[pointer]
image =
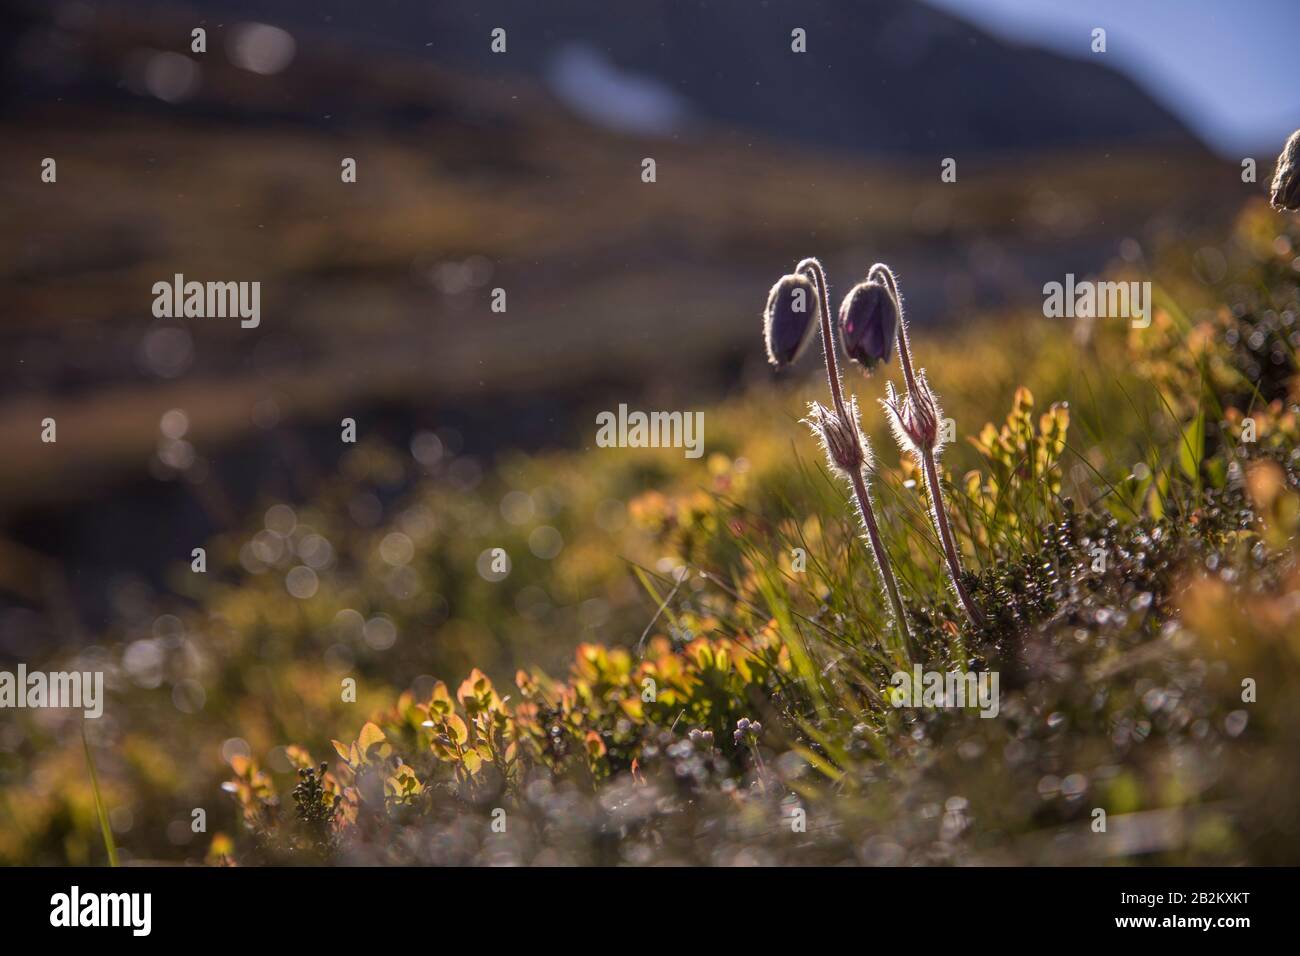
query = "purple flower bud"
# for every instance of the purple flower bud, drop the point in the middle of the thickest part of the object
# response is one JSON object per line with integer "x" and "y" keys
{"x": 869, "y": 323}
{"x": 789, "y": 319}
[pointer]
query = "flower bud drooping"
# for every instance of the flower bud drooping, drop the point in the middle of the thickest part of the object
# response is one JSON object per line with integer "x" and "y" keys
{"x": 789, "y": 319}
{"x": 869, "y": 323}
{"x": 1286, "y": 179}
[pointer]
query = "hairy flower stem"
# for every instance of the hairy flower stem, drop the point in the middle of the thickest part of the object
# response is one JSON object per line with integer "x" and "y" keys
{"x": 882, "y": 561}
{"x": 946, "y": 539}
{"x": 938, "y": 508}
{"x": 868, "y": 515}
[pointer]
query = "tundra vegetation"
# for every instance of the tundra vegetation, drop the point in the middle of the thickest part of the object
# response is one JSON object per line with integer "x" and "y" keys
{"x": 693, "y": 663}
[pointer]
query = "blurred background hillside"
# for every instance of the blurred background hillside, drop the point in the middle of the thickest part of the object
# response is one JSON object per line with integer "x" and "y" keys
{"x": 477, "y": 170}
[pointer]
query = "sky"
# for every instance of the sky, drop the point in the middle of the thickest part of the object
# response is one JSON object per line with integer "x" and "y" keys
{"x": 1229, "y": 68}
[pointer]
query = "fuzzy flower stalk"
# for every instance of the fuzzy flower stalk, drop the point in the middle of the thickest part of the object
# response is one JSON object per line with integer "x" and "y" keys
{"x": 914, "y": 418}
{"x": 797, "y": 304}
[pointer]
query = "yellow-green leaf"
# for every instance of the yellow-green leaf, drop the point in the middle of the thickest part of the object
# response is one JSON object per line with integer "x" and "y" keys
{"x": 369, "y": 738}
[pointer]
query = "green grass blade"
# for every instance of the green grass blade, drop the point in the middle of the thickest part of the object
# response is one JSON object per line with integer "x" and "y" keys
{"x": 104, "y": 829}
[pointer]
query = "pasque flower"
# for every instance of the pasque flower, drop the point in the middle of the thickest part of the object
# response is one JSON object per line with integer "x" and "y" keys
{"x": 869, "y": 323}
{"x": 841, "y": 438}
{"x": 915, "y": 421}
{"x": 788, "y": 319}
{"x": 786, "y": 332}
{"x": 1286, "y": 178}
{"x": 914, "y": 417}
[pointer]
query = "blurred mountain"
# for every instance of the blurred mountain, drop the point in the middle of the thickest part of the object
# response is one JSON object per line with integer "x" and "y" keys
{"x": 880, "y": 76}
